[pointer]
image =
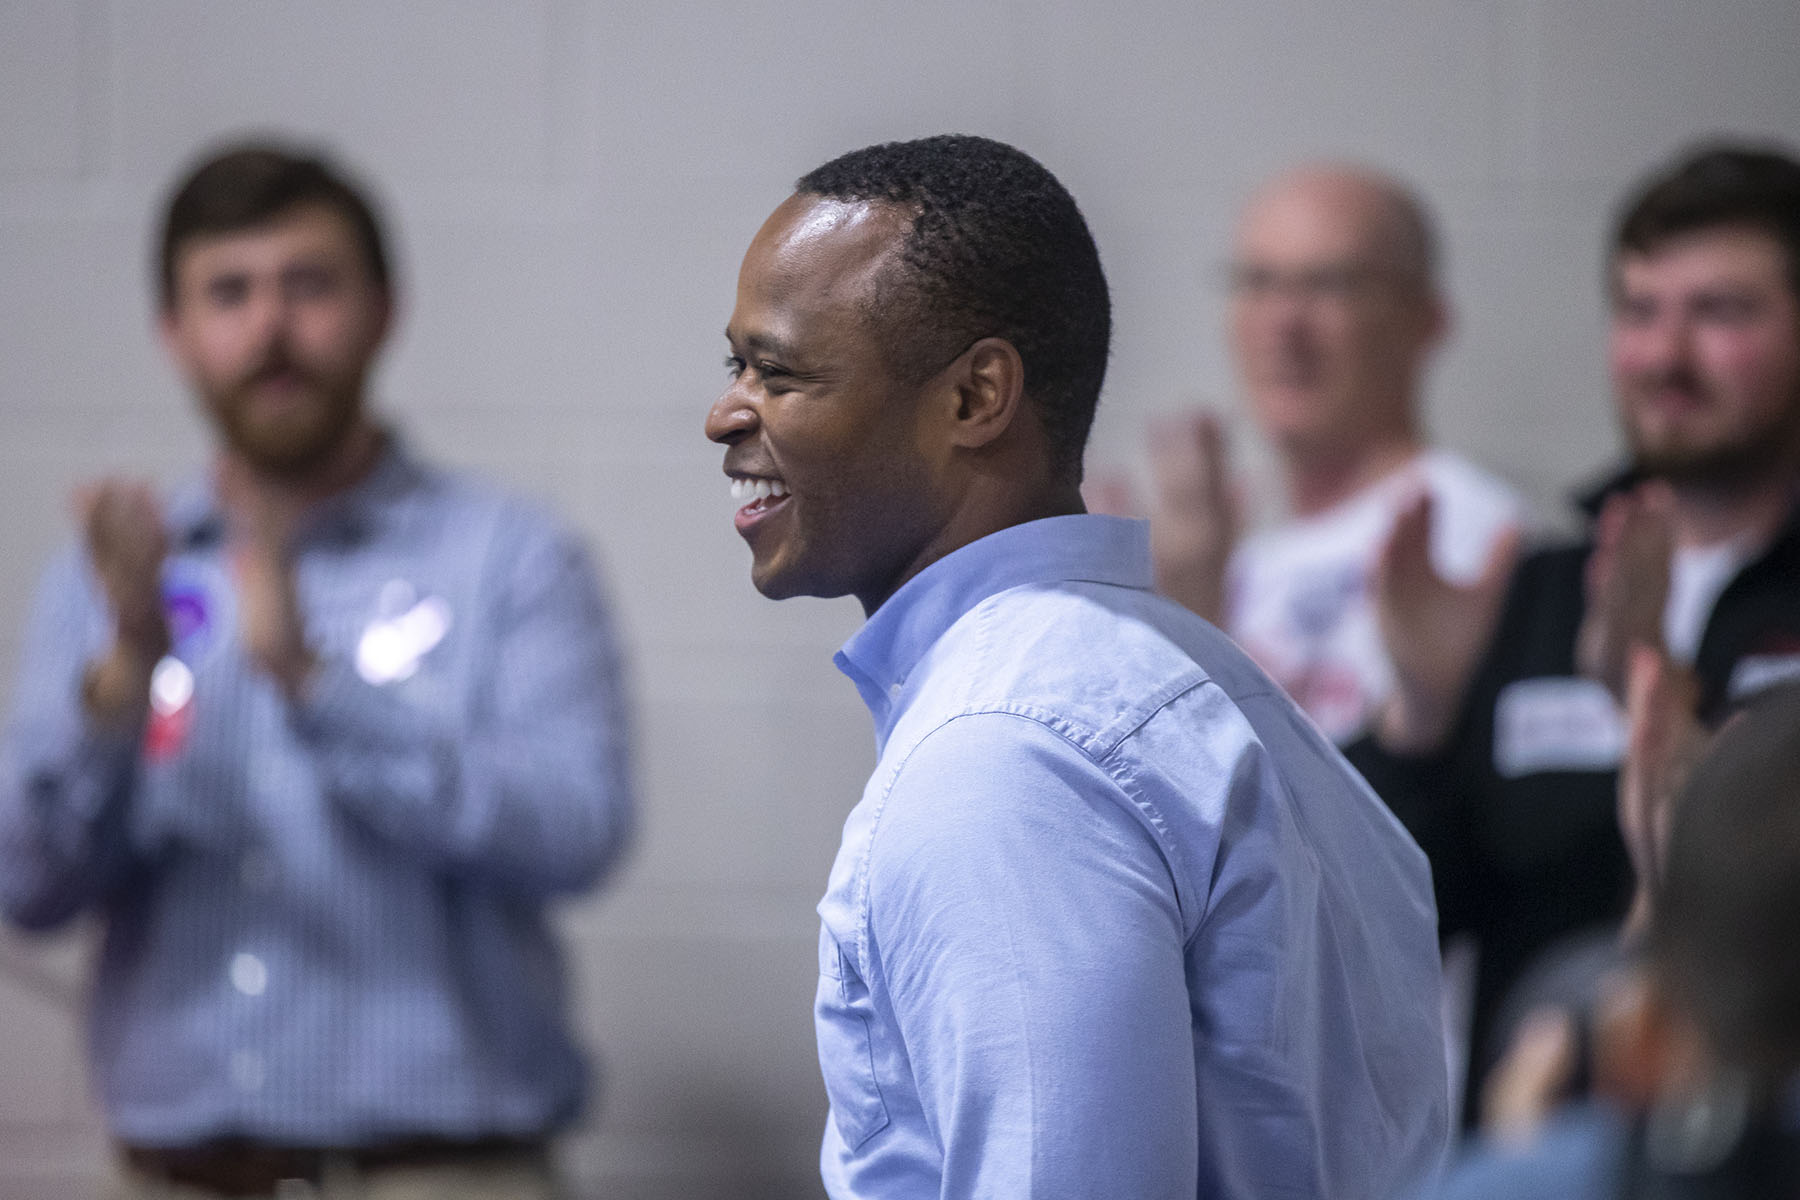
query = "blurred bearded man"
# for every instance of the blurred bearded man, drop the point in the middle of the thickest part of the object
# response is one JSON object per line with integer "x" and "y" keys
{"x": 1501, "y": 744}
{"x": 317, "y": 736}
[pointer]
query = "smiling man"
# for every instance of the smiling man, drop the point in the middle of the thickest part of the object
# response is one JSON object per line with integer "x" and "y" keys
{"x": 1336, "y": 310}
{"x": 318, "y": 739}
{"x": 1501, "y": 744}
{"x": 1112, "y": 918}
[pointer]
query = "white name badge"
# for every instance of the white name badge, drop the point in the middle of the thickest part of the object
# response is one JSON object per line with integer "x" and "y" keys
{"x": 1557, "y": 723}
{"x": 1754, "y": 672}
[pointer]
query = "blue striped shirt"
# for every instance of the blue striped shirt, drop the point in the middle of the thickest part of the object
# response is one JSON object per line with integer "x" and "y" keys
{"x": 325, "y": 919}
{"x": 1112, "y": 918}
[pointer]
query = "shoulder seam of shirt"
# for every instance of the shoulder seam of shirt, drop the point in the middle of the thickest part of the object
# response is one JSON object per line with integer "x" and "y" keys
{"x": 1050, "y": 722}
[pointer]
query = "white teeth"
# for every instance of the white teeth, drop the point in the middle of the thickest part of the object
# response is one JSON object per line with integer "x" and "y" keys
{"x": 753, "y": 491}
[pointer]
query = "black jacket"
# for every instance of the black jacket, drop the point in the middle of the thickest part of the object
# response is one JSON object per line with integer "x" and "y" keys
{"x": 1522, "y": 858}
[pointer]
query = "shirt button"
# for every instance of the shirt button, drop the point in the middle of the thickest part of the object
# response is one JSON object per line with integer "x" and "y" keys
{"x": 249, "y": 975}
{"x": 247, "y": 1070}
{"x": 894, "y": 691}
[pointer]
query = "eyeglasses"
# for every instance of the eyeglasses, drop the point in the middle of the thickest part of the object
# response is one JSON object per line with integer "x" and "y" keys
{"x": 1331, "y": 283}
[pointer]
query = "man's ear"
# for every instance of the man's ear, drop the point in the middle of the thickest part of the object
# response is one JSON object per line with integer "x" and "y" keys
{"x": 168, "y": 332}
{"x": 987, "y": 389}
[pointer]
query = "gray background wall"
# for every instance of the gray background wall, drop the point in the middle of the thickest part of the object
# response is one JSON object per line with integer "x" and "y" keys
{"x": 572, "y": 184}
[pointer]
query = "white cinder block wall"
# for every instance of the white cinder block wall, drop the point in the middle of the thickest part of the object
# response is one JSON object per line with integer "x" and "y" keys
{"x": 571, "y": 185}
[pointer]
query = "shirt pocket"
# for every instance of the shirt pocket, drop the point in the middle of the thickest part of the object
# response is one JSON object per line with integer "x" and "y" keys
{"x": 842, "y": 1012}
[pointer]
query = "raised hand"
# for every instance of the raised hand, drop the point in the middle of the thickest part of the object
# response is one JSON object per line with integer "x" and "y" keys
{"x": 1434, "y": 630}
{"x": 1627, "y": 584}
{"x": 1196, "y": 514}
{"x": 122, "y": 528}
{"x": 1664, "y": 742}
{"x": 263, "y": 519}
{"x": 1110, "y": 494}
{"x": 1532, "y": 1078}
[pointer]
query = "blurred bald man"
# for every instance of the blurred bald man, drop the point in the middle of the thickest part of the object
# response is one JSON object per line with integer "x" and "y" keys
{"x": 1335, "y": 313}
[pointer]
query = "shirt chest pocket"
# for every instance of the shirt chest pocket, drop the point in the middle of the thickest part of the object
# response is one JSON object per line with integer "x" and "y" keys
{"x": 842, "y": 1013}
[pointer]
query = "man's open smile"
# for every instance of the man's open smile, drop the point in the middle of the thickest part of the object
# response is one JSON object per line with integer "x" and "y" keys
{"x": 757, "y": 495}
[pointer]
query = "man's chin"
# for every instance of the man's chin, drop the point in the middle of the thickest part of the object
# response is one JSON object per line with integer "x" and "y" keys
{"x": 286, "y": 444}
{"x": 285, "y": 454}
{"x": 777, "y": 582}
{"x": 285, "y": 431}
{"x": 774, "y": 585}
{"x": 1712, "y": 468}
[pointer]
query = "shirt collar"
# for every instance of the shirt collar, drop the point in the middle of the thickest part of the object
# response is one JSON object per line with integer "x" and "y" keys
{"x": 196, "y": 517}
{"x": 1094, "y": 549}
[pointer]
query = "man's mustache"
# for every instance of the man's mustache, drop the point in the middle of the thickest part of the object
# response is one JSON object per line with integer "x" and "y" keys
{"x": 1680, "y": 379}
{"x": 277, "y": 361}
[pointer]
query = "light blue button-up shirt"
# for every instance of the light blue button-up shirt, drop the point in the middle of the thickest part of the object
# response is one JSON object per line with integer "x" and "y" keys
{"x": 325, "y": 921}
{"x": 1112, "y": 918}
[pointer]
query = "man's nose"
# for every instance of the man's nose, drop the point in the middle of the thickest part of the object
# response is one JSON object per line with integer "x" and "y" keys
{"x": 1668, "y": 343}
{"x": 732, "y": 417}
{"x": 1290, "y": 310}
{"x": 270, "y": 314}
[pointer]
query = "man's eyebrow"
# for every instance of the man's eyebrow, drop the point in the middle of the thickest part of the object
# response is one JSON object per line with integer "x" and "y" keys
{"x": 764, "y": 343}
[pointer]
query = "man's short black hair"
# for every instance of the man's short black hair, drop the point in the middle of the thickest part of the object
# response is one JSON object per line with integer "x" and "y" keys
{"x": 1718, "y": 185}
{"x": 252, "y": 183}
{"x": 997, "y": 248}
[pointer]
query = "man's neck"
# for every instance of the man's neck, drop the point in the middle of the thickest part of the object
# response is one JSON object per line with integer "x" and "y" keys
{"x": 1319, "y": 479}
{"x": 1705, "y": 517}
{"x": 1001, "y": 509}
